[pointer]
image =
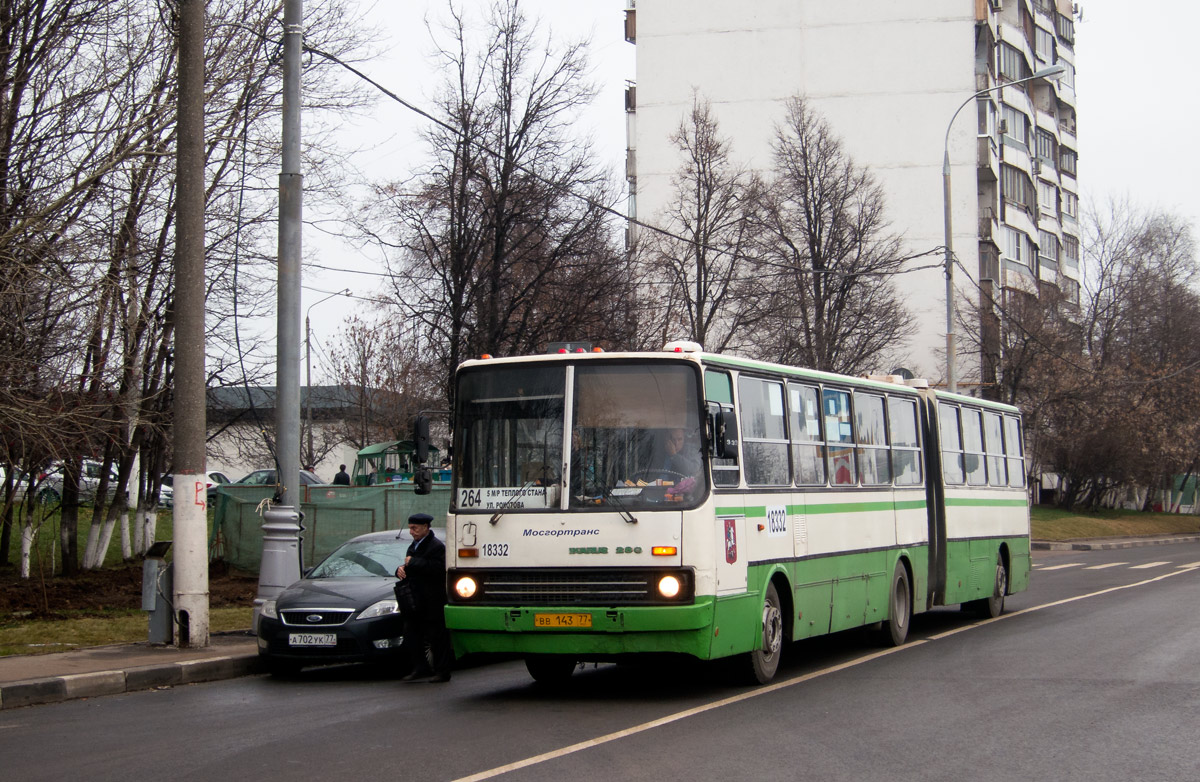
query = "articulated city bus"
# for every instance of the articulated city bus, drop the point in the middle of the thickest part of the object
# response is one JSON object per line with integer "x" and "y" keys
{"x": 614, "y": 504}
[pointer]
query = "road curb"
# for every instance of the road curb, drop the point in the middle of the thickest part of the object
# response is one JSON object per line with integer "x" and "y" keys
{"x": 54, "y": 689}
{"x": 1104, "y": 545}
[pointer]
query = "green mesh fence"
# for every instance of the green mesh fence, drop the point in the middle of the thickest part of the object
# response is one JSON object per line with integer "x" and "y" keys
{"x": 332, "y": 515}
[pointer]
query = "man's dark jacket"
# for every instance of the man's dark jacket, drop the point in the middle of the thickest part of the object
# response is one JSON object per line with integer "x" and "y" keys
{"x": 426, "y": 571}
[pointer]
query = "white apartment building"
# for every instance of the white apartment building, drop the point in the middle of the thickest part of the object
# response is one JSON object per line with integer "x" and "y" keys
{"x": 888, "y": 76}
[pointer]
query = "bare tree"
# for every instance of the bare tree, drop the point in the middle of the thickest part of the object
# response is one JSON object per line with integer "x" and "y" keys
{"x": 709, "y": 289}
{"x": 507, "y": 240}
{"x": 825, "y": 234}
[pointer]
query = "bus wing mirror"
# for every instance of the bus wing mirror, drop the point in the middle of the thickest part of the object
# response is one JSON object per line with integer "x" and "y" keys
{"x": 423, "y": 480}
{"x": 421, "y": 439}
{"x": 724, "y": 433}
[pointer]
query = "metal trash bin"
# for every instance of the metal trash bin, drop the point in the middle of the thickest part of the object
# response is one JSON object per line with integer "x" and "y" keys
{"x": 157, "y": 590}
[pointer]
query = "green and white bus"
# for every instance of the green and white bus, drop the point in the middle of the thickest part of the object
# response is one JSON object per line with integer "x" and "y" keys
{"x": 614, "y": 504}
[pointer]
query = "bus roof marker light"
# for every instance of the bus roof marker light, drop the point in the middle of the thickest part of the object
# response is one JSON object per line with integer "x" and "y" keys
{"x": 683, "y": 346}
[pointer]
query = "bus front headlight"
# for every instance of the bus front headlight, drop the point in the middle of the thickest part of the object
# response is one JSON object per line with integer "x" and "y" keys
{"x": 669, "y": 586}
{"x": 465, "y": 587}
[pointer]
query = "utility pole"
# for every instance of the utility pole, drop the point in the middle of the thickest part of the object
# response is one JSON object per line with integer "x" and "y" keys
{"x": 190, "y": 517}
{"x": 281, "y": 526}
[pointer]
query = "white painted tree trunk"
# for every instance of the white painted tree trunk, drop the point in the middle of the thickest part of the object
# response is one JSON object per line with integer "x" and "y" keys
{"x": 105, "y": 542}
{"x": 139, "y": 529}
{"x": 93, "y": 542}
{"x": 149, "y": 534}
{"x": 26, "y": 547}
{"x": 126, "y": 543}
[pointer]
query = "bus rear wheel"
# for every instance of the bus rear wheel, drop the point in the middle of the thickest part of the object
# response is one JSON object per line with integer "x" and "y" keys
{"x": 895, "y": 630}
{"x": 764, "y": 661}
{"x": 992, "y": 607}
{"x": 549, "y": 669}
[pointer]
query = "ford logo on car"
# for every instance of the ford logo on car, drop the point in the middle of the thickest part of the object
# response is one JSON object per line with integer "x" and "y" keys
{"x": 313, "y": 618}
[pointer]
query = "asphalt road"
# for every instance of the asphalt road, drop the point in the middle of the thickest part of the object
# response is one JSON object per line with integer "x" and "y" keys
{"x": 1093, "y": 674}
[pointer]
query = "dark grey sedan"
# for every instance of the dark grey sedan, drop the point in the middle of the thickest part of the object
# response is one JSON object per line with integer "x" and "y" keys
{"x": 344, "y": 610}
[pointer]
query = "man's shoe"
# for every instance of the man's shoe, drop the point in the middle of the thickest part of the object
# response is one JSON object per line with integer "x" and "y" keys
{"x": 416, "y": 676}
{"x": 441, "y": 677}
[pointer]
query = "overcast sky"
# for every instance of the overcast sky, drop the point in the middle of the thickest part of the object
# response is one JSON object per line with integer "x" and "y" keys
{"x": 1137, "y": 111}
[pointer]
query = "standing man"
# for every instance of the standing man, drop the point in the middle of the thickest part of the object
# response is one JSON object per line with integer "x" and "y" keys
{"x": 421, "y": 594}
{"x": 342, "y": 478}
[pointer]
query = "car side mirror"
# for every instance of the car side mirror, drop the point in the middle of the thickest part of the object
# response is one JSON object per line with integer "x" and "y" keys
{"x": 723, "y": 424}
{"x": 421, "y": 439}
{"x": 423, "y": 480}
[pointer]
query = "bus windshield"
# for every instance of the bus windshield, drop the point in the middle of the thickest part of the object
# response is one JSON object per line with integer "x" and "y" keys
{"x": 635, "y": 437}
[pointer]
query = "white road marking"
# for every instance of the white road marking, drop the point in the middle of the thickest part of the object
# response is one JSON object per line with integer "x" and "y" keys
{"x": 1149, "y": 565}
{"x": 1061, "y": 567}
{"x": 770, "y": 688}
{"x": 1189, "y": 565}
{"x": 1102, "y": 567}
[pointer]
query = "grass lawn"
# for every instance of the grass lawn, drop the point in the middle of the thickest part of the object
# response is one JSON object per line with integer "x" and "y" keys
{"x": 123, "y": 626}
{"x": 1051, "y": 523}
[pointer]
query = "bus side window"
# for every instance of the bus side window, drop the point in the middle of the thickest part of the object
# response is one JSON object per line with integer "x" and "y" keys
{"x": 993, "y": 444}
{"x": 718, "y": 391}
{"x": 870, "y": 432}
{"x": 839, "y": 434}
{"x": 808, "y": 450}
{"x": 906, "y": 447}
{"x": 764, "y": 436}
{"x": 972, "y": 431}
{"x": 952, "y": 455}
{"x": 1014, "y": 450}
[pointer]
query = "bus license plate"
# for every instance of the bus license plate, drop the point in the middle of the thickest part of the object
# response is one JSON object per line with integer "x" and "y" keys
{"x": 312, "y": 639}
{"x": 562, "y": 620}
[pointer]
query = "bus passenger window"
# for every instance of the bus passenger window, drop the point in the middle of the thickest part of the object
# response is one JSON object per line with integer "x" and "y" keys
{"x": 972, "y": 431}
{"x": 871, "y": 436}
{"x": 764, "y": 438}
{"x": 906, "y": 446}
{"x": 993, "y": 444}
{"x": 839, "y": 434}
{"x": 808, "y": 452}
{"x": 1014, "y": 450}
{"x": 952, "y": 457}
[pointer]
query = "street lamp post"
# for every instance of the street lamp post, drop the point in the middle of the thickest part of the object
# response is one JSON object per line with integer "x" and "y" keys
{"x": 1053, "y": 72}
{"x": 308, "y": 371}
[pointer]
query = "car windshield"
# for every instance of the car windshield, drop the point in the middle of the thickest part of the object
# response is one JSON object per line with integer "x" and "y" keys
{"x": 362, "y": 559}
{"x": 636, "y": 437}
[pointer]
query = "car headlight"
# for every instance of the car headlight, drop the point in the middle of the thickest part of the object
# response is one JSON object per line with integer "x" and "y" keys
{"x": 268, "y": 609}
{"x": 382, "y": 608}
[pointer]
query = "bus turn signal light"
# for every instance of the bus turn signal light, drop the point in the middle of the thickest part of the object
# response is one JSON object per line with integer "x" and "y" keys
{"x": 664, "y": 551}
{"x": 467, "y": 553}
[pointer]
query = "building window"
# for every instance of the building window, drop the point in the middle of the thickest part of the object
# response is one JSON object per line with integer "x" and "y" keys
{"x": 1070, "y": 289}
{"x": 1070, "y": 252}
{"x": 1066, "y": 160}
{"x": 1015, "y": 125}
{"x": 1014, "y": 246}
{"x": 1066, "y": 30}
{"x": 1013, "y": 65}
{"x": 1067, "y": 79}
{"x": 1048, "y": 198}
{"x": 1017, "y": 187}
{"x": 1044, "y": 45}
{"x": 1070, "y": 204}
{"x": 1048, "y": 250}
{"x": 1046, "y": 145}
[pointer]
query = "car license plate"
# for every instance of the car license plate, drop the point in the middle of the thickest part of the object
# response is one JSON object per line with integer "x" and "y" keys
{"x": 562, "y": 620}
{"x": 312, "y": 639}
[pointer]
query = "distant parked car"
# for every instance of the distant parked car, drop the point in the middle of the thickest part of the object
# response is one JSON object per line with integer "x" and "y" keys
{"x": 343, "y": 610}
{"x": 20, "y": 484}
{"x": 166, "y": 493}
{"x": 50, "y": 483}
{"x": 267, "y": 478}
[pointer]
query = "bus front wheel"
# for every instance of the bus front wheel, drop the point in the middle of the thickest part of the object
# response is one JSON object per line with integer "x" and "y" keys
{"x": 764, "y": 661}
{"x": 895, "y": 631}
{"x": 549, "y": 669}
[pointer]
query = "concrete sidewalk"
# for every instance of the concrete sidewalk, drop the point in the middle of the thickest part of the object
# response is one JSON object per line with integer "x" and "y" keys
{"x": 107, "y": 670}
